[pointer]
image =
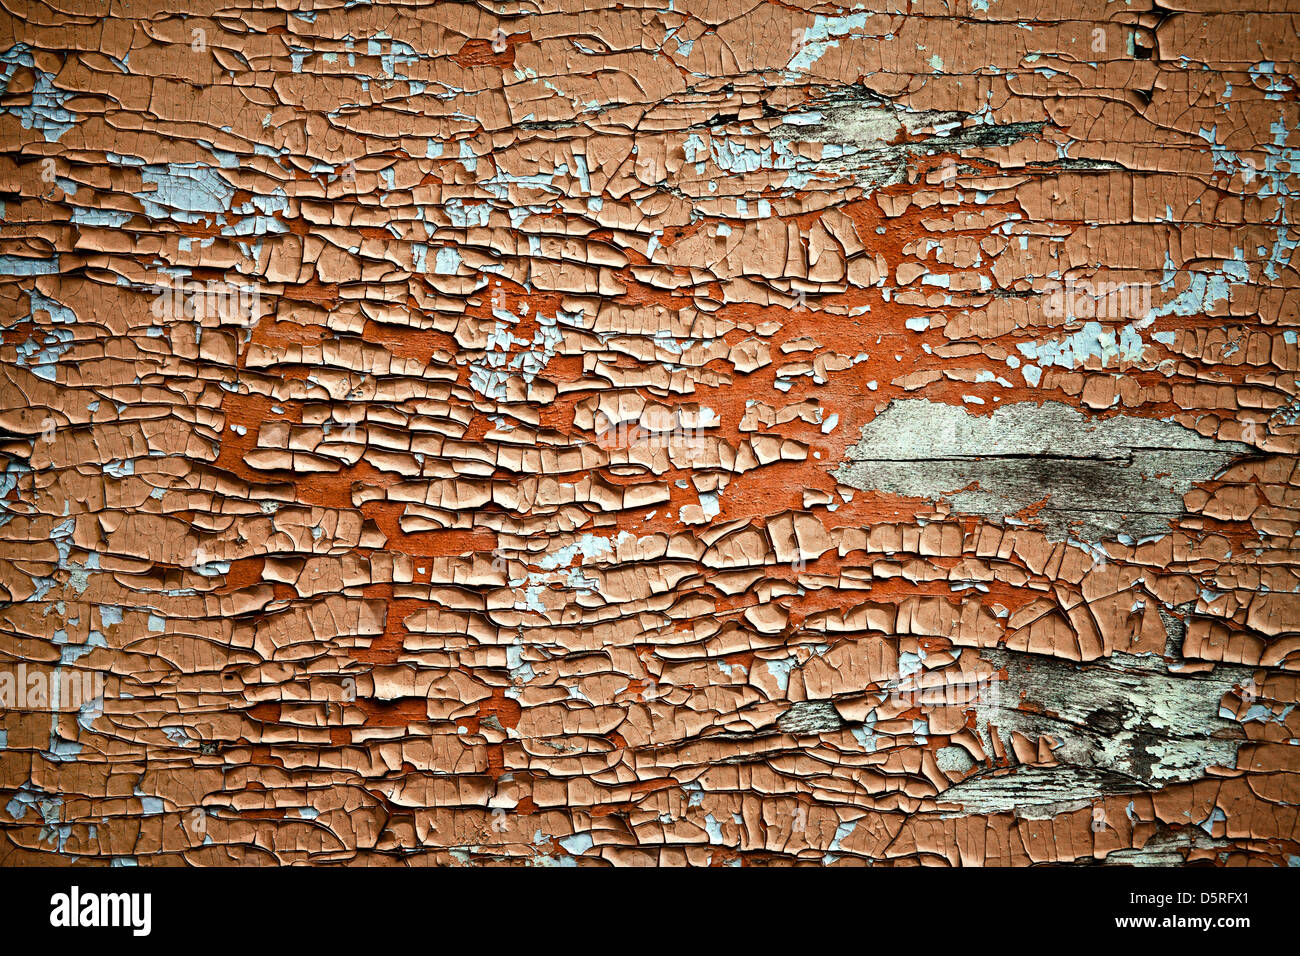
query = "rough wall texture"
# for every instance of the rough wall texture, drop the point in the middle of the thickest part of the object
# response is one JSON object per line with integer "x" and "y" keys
{"x": 711, "y": 432}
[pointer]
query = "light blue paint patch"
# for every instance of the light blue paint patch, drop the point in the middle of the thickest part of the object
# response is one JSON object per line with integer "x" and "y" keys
{"x": 447, "y": 261}
{"x": 464, "y": 214}
{"x": 261, "y": 211}
{"x": 45, "y": 112}
{"x": 1225, "y": 160}
{"x": 178, "y": 736}
{"x": 1274, "y": 84}
{"x": 581, "y": 172}
{"x": 908, "y": 663}
{"x": 1280, "y": 256}
{"x": 866, "y": 734}
{"x": 780, "y": 671}
{"x": 399, "y": 54}
{"x": 693, "y": 147}
{"x": 1280, "y": 163}
{"x": 825, "y": 33}
{"x": 185, "y": 192}
{"x": 61, "y": 750}
{"x": 43, "y": 357}
{"x": 1237, "y": 269}
{"x": 734, "y": 157}
{"x": 467, "y": 157}
{"x": 48, "y": 805}
{"x": 100, "y": 218}
{"x": 577, "y": 844}
{"x": 842, "y": 832}
{"x": 57, "y": 311}
{"x": 1093, "y": 341}
{"x": 1216, "y": 816}
{"x": 1202, "y": 294}
{"x": 150, "y": 806}
{"x": 22, "y": 266}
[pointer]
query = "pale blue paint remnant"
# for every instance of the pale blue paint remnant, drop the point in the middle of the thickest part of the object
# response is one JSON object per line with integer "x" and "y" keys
{"x": 185, "y": 192}
{"x": 1274, "y": 84}
{"x": 826, "y": 32}
{"x": 578, "y": 843}
{"x": 1216, "y": 816}
{"x": 780, "y": 671}
{"x": 1201, "y": 295}
{"x": 45, "y": 112}
{"x": 22, "y": 266}
{"x": 1092, "y": 341}
{"x": 447, "y": 261}
{"x": 57, "y": 311}
{"x": 842, "y": 832}
{"x": 151, "y": 806}
{"x": 464, "y": 214}
{"x": 100, "y": 218}
{"x": 908, "y": 663}
{"x": 42, "y": 357}
{"x": 467, "y": 157}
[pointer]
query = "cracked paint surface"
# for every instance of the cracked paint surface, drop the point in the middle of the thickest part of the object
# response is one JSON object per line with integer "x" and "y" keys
{"x": 687, "y": 434}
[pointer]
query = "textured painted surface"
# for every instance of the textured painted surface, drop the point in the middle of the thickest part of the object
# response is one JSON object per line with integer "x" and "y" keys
{"x": 716, "y": 433}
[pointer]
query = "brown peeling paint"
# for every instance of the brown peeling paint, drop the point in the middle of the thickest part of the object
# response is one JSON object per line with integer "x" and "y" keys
{"x": 518, "y": 509}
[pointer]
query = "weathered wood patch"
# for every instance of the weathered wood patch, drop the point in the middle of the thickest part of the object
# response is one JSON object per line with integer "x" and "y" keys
{"x": 1096, "y": 478}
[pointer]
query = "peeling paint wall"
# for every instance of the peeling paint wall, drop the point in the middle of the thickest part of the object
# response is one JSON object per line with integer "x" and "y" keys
{"x": 707, "y": 434}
